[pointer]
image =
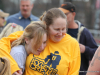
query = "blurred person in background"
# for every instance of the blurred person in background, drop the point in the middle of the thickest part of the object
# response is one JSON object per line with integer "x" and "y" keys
{"x": 2, "y": 19}
{"x": 10, "y": 28}
{"x": 24, "y": 16}
{"x": 77, "y": 30}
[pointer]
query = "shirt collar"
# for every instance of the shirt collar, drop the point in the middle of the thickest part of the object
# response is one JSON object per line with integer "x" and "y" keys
{"x": 31, "y": 17}
{"x": 21, "y": 16}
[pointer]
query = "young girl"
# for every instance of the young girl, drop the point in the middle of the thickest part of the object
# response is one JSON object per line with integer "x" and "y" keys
{"x": 33, "y": 41}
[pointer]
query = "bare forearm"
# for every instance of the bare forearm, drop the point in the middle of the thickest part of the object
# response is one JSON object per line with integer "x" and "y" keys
{"x": 94, "y": 68}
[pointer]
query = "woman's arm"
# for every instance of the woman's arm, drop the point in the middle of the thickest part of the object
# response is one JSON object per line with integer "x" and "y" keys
{"x": 74, "y": 65}
{"x": 94, "y": 67}
{"x": 5, "y": 47}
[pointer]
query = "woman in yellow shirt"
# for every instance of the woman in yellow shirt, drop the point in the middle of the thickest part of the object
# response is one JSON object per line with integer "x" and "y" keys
{"x": 62, "y": 53}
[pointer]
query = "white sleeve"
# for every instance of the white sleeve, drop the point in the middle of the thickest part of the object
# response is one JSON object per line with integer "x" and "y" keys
{"x": 19, "y": 55}
{"x": 20, "y": 59}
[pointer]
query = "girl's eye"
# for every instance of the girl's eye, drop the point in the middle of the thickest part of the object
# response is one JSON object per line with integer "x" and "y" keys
{"x": 44, "y": 42}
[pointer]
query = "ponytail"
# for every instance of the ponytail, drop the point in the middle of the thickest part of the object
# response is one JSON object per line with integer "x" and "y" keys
{"x": 19, "y": 41}
{"x": 41, "y": 17}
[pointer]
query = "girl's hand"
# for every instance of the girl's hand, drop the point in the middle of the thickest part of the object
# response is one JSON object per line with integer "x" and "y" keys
{"x": 19, "y": 72}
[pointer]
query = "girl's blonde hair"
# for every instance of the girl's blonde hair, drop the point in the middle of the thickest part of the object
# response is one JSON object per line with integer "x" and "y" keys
{"x": 34, "y": 30}
{"x": 5, "y": 66}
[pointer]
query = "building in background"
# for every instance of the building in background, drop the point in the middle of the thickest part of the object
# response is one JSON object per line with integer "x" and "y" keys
{"x": 97, "y": 15}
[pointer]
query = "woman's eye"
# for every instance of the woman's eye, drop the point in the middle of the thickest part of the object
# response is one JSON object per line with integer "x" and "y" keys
{"x": 57, "y": 29}
{"x": 63, "y": 29}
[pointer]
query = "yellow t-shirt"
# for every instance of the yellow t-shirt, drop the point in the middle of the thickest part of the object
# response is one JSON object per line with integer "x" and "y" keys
{"x": 5, "y": 47}
{"x": 62, "y": 58}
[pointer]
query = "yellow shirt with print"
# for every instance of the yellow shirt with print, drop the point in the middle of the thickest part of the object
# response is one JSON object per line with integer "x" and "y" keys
{"x": 62, "y": 58}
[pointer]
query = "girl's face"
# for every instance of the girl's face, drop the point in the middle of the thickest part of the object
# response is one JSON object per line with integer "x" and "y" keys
{"x": 43, "y": 45}
{"x": 40, "y": 49}
{"x": 57, "y": 30}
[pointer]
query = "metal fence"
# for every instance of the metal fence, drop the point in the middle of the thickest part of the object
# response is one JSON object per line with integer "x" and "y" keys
{"x": 96, "y": 35}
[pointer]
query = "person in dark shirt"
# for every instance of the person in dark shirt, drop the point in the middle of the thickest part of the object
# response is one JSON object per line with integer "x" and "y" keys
{"x": 87, "y": 43}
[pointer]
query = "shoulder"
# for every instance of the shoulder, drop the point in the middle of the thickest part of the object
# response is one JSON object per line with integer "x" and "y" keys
{"x": 13, "y": 16}
{"x": 86, "y": 31}
{"x": 34, "y": 18}
{"x": 72, "y": 42}
{"x": 70, "y": 39}
{"x": 18, "y": 49}
{"x": 72, "y": 46}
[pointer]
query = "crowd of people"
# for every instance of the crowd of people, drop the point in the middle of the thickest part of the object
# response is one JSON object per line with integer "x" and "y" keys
{"x": 53, "y": 44}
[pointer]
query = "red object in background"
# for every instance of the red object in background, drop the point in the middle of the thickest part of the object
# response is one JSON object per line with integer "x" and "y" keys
{"x": 97, "y": 4}
{"x": 97, "y": 41}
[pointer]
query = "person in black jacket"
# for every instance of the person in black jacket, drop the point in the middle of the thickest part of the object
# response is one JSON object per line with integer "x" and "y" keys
{"x": 87, "y": 43}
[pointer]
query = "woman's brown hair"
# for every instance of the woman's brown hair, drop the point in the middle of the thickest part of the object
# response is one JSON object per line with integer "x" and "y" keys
{"x": 49, "y": 16}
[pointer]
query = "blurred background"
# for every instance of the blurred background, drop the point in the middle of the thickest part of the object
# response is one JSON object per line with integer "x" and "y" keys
{"x": 87, "y": 11}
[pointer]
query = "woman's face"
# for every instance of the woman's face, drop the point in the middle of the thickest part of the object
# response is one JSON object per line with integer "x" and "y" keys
{"x": 41, "y": 48}
{"x": 57, "y": 30}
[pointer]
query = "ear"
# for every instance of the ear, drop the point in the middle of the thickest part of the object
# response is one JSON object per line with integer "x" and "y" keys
{"x": 27, "y": 40}
{"x": 74, "y": 14}
{"x": 32, "y": 6}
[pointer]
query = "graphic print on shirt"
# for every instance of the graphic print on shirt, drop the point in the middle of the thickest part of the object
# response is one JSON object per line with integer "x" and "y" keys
{"x": 46, "y": 66}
